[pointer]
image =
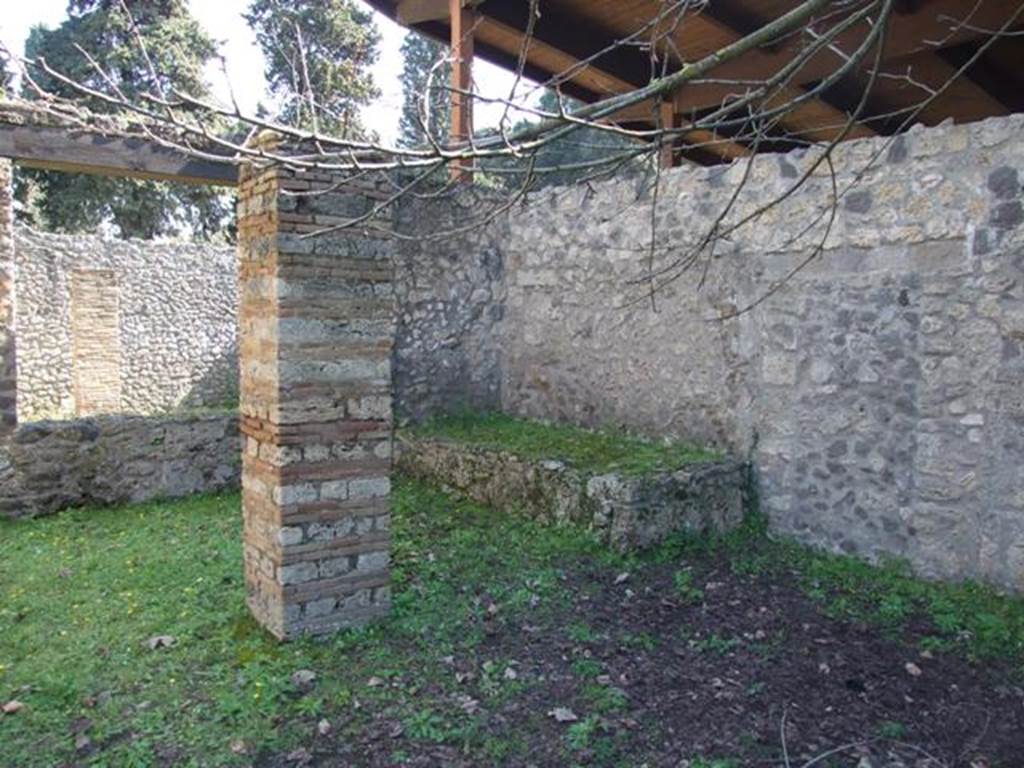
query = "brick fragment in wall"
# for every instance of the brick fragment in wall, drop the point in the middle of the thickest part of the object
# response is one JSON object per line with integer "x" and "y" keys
{"x": 95, "y": 341}
{"x": 315, "y": 344}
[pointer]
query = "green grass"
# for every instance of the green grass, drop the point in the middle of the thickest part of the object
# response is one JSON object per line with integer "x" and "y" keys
{"x": 81, "y": 592}
{"x": 594, "y": 451}
{"x": 971, "y": 617}
{"x": 685, "y": 588}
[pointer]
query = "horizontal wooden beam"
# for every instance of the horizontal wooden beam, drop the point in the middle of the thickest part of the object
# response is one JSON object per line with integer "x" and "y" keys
{"x": 411, "y": 12}
{"x": 911, "y": 81}
{"x": 74, "y": 151}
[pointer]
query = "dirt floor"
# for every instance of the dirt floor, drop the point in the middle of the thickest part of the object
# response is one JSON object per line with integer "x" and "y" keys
{"x": 712, "y": 670}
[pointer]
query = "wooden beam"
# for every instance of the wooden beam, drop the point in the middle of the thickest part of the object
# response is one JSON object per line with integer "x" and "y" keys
{"x": 410, "y": 12}
{"x": 908, "y": 34}
{"x": 812, "y": 120}
{"x": 1003, "y": 63}
{"x": 462, "y": 32}
{"x": 963, "y": 99}
{"x": 61, "y": 149}
{"x": 561, "y": 42}
{"x": 669, "y": 121}
{"x": 583, "y": 28}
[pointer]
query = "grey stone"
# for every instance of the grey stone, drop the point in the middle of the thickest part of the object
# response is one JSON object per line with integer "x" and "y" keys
{"x": 114, "y": 459}
{"x": 1007, "y": 215}
{"x": 1004, "y": 182}
{"x": 858, "y": 201}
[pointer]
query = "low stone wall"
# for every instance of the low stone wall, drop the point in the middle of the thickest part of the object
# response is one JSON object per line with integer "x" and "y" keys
{"x": 626, "y": 512}
{"x": 50, "y": 465}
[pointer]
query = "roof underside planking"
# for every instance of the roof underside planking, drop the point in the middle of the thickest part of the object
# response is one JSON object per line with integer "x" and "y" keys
{"x": 924, "y": 41}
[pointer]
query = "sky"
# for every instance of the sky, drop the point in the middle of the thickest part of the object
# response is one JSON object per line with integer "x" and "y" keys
{"x": 244, "y": 62}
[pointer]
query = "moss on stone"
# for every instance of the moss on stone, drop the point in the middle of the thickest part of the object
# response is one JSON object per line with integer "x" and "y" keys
{"x": 594, "y": 451}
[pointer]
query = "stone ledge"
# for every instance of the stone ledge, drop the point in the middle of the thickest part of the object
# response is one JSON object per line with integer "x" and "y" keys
{"x": 626, "y": 512}
{"x": 47, "y": 466}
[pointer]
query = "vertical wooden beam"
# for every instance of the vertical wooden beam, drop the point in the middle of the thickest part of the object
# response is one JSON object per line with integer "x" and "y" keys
{"x": 669, "y": 156}
{"x": 462, "y": 20}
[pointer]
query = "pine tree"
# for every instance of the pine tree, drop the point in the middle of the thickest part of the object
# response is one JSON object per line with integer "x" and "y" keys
{"x": 319, "y": 54}
{"x": 425, "y": 72}
{"x": 178, "y": 49}
{"x": 583, "y": 145}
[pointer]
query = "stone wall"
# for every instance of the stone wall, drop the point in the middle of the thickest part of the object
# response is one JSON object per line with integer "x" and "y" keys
{"x": 50, "y": 465}
{"x": 123, "y": 325}
{"x": 450, "y": 295}
{"x": 8, "y": 368}
{"x": 878, "y": 392}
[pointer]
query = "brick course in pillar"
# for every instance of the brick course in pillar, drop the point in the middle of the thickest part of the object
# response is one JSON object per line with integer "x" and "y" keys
{"x": 315, "y": 336}
{"x": 8, "y": 366}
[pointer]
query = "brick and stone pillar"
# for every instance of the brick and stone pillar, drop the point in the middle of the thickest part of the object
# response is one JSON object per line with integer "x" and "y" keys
{"x": 315, "y": 335}
{"x": 8, "y": 365}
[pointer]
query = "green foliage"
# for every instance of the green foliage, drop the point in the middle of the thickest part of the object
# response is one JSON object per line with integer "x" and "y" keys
{"x": 604, "y": 699}
{"x": 81, "y": 592}
{"x": 580, "y": 735}
{"x": 581, "y": 633}
{"x": 425, "y": 73}
{"x": 592, "y": 451}
{"x": 582, "y": 146}
{"x": 586, "y": 668}
{"x": 97, "y": 583}
{"x": 319, "y": 54}
{"x": 975, "y": 617}
{"x": 716, "y": 644}
{"x": 178, "y": 49}
{"x": 892, "y": 730}
{"x": 6, "y": 74}
{"x": 682, "y": 581}
{"x": 427, "y": 725}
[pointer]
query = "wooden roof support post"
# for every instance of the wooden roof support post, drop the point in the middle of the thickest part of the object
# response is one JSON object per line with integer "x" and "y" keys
{"x": 668, "y": 156}
{"x": 462, "y": 22}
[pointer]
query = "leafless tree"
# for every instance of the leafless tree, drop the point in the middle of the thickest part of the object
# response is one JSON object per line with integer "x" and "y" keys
{"x": 751, "y": 116}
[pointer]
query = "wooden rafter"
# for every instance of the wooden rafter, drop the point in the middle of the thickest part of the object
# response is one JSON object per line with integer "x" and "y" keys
{"x": 669, "y": 120}
{"x": 575, "y": 29}
{"x": 701, "y": 34}
{"x": 909, "y": 82}
{"x": 410, "y": 12}
{"x": 921, "y": 31}
{"x": 555, "y": 50}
